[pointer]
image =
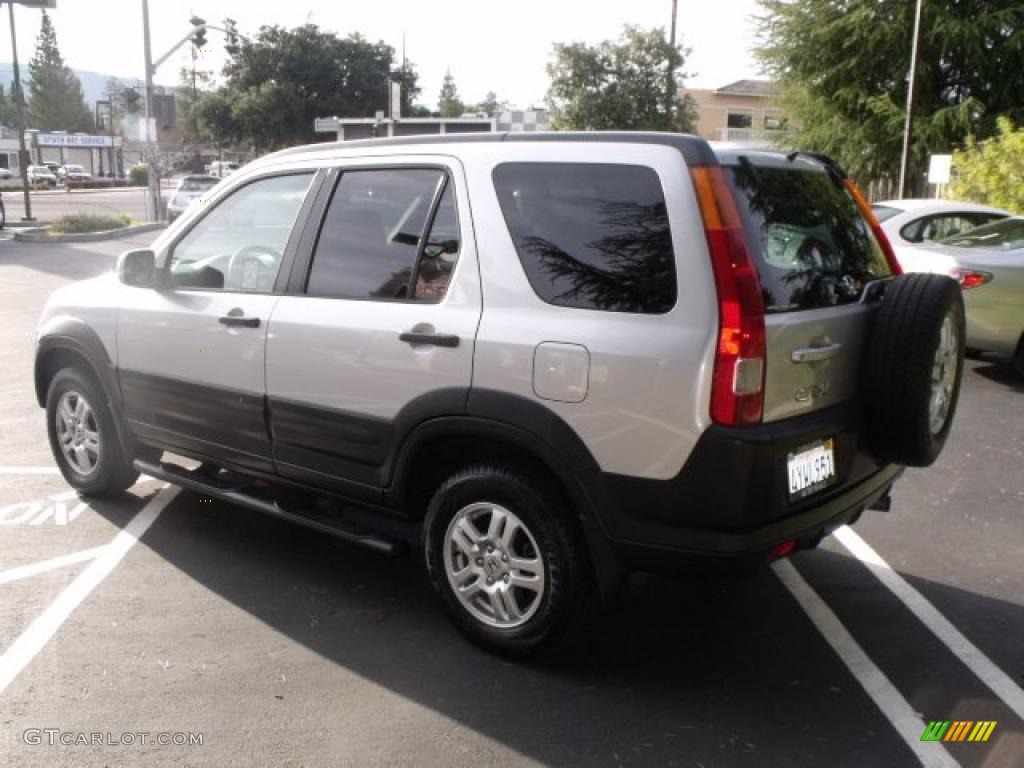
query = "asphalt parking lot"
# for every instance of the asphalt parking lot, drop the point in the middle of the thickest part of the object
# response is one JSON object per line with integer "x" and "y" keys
{"x": 164, "y": 614}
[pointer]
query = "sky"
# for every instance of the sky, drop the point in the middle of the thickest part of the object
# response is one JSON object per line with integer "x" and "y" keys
{"x": 502, "y": 47}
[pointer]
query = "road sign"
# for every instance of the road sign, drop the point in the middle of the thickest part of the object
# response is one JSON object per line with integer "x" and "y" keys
{"x": 939, "y": 167}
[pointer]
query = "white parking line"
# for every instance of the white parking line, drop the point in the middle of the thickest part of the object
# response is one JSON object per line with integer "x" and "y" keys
{"x": 30, "y": 642}
{"x": 24, "y": 571}
{"x": 874, "y": 682}
{"x": 991, "y": 675}
{"x": 29, "y": 471}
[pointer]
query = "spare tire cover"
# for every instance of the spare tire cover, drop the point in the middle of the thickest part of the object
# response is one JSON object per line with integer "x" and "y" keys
{"x": 913, "y": 367}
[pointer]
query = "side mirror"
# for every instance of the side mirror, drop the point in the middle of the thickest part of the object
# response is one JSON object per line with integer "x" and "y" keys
{"x": 137, "y": 268}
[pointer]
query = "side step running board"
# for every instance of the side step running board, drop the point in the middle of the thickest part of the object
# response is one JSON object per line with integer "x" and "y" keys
{"x": 317, "y": 521}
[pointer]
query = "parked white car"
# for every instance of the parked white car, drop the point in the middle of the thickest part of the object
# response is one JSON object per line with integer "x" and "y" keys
{"x": 190, "y": 189}
{"x": 910, "y": 224}
{"x": 221, "y": 170}
{"x": 72, "y": 172}
{"x": 40, "y": 174}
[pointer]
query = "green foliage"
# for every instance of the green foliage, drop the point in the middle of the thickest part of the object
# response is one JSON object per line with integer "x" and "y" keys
{"x": 55, "y": 100}
{"x": 842, "y": 66}
{"x": 138, "y": 175}
{"x": 448, "y": 102}
{"x": 992, "y": 173}
{"x": 490, "y": 106}
{"x": 7, "y": 115}
{"x": 278, "y": 83}
{"x": 620, "y": 85}
{"x": 78, "y": 223}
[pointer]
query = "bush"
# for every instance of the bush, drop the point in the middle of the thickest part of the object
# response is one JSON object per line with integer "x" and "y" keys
{"x": 98, "y": 183}
{"x": 78, "y": 223}
{"x": 992, "y": 173}
{"x": 138, "y": 175}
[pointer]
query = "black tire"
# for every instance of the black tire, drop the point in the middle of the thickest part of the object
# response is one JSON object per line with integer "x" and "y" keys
{"x": 3, "y": 215}
{"x": 900, "y": 359}
{"x": 569, "y": 598}
{"x": 113, "y": 471}
{"x": 1018, "y": 358}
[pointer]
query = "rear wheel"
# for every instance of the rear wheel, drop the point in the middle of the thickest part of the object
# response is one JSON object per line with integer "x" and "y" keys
{"x": 1018, "y": 358}
{"x": 83, "y": 437}
{"x": 507, "y": 560}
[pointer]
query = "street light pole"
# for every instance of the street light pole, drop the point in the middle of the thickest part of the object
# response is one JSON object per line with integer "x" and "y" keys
{"x": 19, "y": 111}
{"x": 153, "y": 182}
{"x": 908, "y": 126}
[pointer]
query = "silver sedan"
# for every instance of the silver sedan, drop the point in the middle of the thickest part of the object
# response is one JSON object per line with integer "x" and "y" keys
{"x": 989, "y": 263}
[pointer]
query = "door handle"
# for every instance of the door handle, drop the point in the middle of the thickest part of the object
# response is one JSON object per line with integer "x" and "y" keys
{"x": 816, "y": 354}
{"x": 235, "y": 318}
{"x": 432, "y": 339}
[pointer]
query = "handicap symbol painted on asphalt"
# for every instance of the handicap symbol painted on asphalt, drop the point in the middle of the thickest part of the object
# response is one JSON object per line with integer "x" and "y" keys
{"x": 58, "y": 509}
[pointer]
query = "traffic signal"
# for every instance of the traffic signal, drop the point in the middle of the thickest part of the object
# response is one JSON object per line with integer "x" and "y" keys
{"x": 199, "y": 36}
{"x": 131, "y": 99}
{"x": 230, "y": 37}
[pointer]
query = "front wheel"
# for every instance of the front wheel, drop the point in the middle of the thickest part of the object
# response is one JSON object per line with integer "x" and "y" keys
{"x": 83, "y": 437}
{"x": 507, "y": 559}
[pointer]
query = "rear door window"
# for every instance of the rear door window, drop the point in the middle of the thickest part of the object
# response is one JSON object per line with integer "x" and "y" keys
{"x": 591, "y": 236}
{"x": 811, "y": 245}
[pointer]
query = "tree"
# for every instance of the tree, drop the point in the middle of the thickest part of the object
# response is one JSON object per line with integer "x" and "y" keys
{"x": 7, "y": 116}
{"x": 992, "y": 173}
{"x": 448, "y": 102}
{"x": 490, "y": 106}
{"x": 619, "y": 85}
{"x": 842, "y": 67}
{"x": 278, "y": 83}
{"x": 55, "y": 100}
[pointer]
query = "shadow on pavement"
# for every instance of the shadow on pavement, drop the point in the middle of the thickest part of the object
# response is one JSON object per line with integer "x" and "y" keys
{"x": 1001, "y": 373}
{"x": 697, "y": 672}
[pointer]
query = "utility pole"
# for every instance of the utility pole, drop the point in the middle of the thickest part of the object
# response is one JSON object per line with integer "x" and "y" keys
{"x": 153, "y": 182}
{"x": 908, "y": 126}
{"x": 670, "y": 84}
{"x": 19, "y": 111}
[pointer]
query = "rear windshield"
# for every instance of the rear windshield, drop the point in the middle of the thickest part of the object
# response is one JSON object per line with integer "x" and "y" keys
{"x": 811, "y": 245}
{"x": 1006, "y": 235}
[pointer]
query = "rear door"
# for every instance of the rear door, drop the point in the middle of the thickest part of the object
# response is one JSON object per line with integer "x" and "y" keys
{"x": 379, "y": 327}
{"x": 815, "y": 254}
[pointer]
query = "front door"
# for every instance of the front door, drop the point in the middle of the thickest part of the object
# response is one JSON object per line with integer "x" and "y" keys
{"x": 381, "y": 331}
{"x": 191, "y": 354}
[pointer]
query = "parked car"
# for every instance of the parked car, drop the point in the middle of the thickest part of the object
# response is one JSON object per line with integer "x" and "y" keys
{"x": 989, "y": 263}
{"x": 3, "y": 212}
{"x": 909, "y": 224}
{"x": 221, "y": 170}
{"x": 6, "y": 174}
{"x": 540, "y": 360}
{"x": 189, "y": 189}
{"x": 54, "y": 167}
{"x": 73, "y": 173}
{"x": 40, "y": 175}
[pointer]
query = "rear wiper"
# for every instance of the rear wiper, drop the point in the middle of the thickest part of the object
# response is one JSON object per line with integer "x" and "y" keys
{"x": 838, "y": 174}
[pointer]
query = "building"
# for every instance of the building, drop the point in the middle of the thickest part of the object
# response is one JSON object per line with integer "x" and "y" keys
{"x": 743, "y": 111}
{"x": 347, "y": 128}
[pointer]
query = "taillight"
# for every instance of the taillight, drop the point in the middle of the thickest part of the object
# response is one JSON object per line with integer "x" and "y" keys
{"x": 971, "y": 278}
{"x": 876, "y": 228}
{"x": 737, "y": 385}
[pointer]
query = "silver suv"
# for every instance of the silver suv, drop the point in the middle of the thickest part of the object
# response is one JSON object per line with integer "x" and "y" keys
{"x": 545, "y": 360}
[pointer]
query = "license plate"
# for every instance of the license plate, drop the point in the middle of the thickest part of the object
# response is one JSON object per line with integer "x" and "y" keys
{"x": 811, "y": 468}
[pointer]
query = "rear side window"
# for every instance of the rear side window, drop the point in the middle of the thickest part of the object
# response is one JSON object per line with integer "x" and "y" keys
{"x": 591, "y": 236}
{"x": 370, "y": 244}
{"x": 811, "y": 245}
{"x": 883, "y": 212}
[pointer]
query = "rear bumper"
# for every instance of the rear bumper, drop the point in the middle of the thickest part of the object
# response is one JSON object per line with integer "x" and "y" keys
{"x": 730, "y": 501}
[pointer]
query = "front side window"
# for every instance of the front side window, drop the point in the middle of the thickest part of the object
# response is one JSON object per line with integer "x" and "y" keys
{"x": 591, "y": 236}
{"x": 371, "y": 244}
{"x": 239, "y": 245}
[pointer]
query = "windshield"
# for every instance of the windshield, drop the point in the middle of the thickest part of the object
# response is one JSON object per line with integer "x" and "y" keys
{"x": 197, "y": 184}
{"x": 883, "y": 212}
{"x": 811, "y": 245}
{"x": 1005, "y": 235}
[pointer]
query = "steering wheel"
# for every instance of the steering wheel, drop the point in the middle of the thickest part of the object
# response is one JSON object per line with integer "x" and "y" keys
{"x": 250, "y": 267}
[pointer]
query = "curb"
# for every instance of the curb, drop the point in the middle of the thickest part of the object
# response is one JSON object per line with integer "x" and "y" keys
{"x": 39, "y": 234}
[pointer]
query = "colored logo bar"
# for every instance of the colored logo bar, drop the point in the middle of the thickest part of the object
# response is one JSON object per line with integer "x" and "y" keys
{"x": 958, "y": 730}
